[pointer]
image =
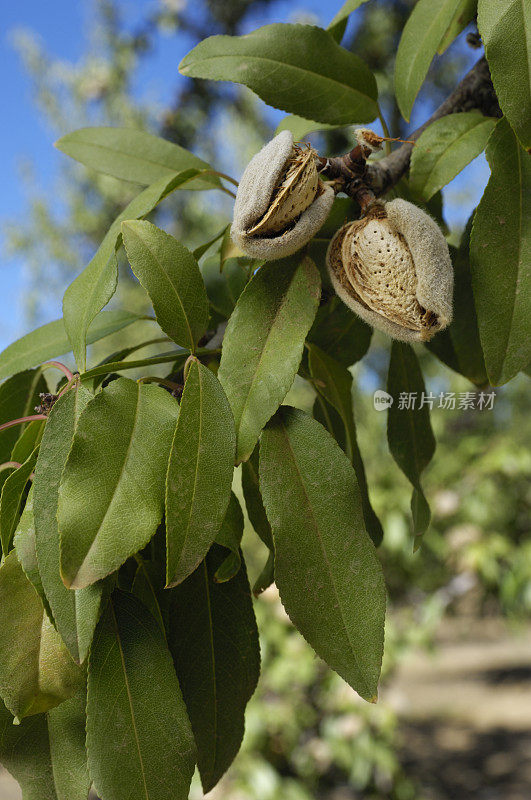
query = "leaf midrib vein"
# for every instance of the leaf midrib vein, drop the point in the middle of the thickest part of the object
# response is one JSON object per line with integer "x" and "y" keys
{"x": 290, "y": 66}
{"x": 325, "y": 554}
{"x": 130, "y": 700}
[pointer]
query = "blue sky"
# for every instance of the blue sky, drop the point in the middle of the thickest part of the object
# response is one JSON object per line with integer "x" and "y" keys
{"x": 62, "y": 26}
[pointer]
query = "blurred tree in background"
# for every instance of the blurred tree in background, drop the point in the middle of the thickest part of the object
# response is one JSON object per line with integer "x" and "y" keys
{"x": 474, "y": 561}
{"x": 224, "y": 125}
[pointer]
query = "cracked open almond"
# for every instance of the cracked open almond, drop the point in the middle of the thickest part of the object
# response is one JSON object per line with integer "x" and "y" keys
{"x": 393, "y": 269}
{"x": 281, "y": 202}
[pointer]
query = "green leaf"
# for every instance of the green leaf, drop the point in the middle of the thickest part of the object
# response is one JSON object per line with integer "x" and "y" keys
{"x": 301, "y": 127}
{"x": 170, "y": 275}
{"x": 11, "y": 500}
{"x": 200, "y": 251}
{"x": 228, "y": 249}
{"x": 326, "y": 569}
{"x": 334, "y": 383}
{"x": 445, "y": 148}
{"x": 298, "y": 68}
{"x": 112, "y": 489}
{"x": 95, "y": 286}
{"x": 199, "y": 472}
{"x": 18, "y": 397}
{"x": 409, "y": 432}
{"x": 214, "y": 642}
{"x": 504, "y": 27}
{"x": 258, "y": 518}
{"x": 107, "y": 367}
{"x": 263, "y": 343}
{"x": 50, "y": 341}
{"x": 459, "y": 346}
{"x": 24, "y": 544}
{"x": 464, "y": 13}
{"x": 66, "y": 729}
{"x": 36, "y": 671}
{"x": 500, "y": 258}
{"x": 25, "y": 753}
{"x": 132, "y": 155}
{"x": 145, "y": 585}
{"x": 45, "y": 753}
{"x": 422, "y": 35}
{"x": 230, "y": 536}
{"x": 75, "y": 612}
{"x": 28, "y": 440}
{"x": 224, "y": 288}
{"x": 133, "y": 691}
{"x": 340, "y": 333}
{"x": 336, "y": 27}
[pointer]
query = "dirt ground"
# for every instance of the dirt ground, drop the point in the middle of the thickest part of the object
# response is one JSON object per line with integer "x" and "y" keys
{"x": 465, "y": 711}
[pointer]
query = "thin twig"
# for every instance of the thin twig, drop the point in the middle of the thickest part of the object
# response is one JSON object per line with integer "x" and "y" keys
{"x": 364, "y": 182}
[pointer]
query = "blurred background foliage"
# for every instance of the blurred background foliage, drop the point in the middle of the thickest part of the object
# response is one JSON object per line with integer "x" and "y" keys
{"x": 308, "y": 735}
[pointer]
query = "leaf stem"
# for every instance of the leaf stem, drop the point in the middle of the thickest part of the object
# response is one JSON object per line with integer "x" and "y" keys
{"x": 22, "y": 420}
{"x": 58, "y": 365}
{"x": 225, "y": 177}
{"x": 385, "y": 129}
{"x": 187, "y": 365}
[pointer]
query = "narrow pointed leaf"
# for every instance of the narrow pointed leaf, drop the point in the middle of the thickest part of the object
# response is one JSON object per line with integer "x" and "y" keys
{"x": 263, "y": 343}
{"x": 214, "y": 642}
{"x": 176, "y": 356}
{"x": 340, "y": 333}
{"x": 36, "y": 670}
{"x": 326, "y": 569}
{"x": 11, "y": 499}
{"x": 298, "y": 68}
{"x": 224, "y": 288}
{"x": 409, "y": 432}
{"x": 500, "y": 258}
{"x": 200, "y": 251}
{"x": 505, "y": 31}
{"x": 336, "y": 26}
{"x": 421, "y": 37}
{"x": 66, "y": 730}
{"x": 26, "y": 549}
{"x": 45, "y": 753}
{"x": 334, "y": 383}
{"x": 132, "y": 155}
{"x": 301, "y": 127}
{"x": 170, "y": 275}
{"x": 112, "y": 489}
{"x": 258, "y": 518}
{"x": 28, "y": 440}
{"x": 51, "y": 340}
{"x": 18, "y": 397}
{"x": 459, "y": 346}
{"x": 95, "y": 286}
{"x": 230, "y": 536}
{"x": 199, "y": 472}
{"x": 25, "y": 753}
{"x": 133, "y": 692}
{"x": 445, "y": 148}
{"x": 75, "y": 612}
{"x": 464, "y": 13}
{"x": 145, "y": 585}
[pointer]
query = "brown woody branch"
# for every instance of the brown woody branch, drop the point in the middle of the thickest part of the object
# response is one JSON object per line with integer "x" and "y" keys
{"x": 367, "y": 181}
